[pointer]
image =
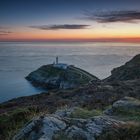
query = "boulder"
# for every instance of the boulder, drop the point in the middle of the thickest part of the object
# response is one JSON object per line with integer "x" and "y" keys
{"x": 127, "y": 106}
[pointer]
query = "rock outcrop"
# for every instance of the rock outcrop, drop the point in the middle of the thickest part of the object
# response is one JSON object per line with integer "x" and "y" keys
{"x": 129, "y": 71}
{"x": 52, "y": 127}
{"x": 52, "y": 77}
{"x": 127, "y": 103}
{"x": 127, "y": 106}
{"x": 61, "y": 125}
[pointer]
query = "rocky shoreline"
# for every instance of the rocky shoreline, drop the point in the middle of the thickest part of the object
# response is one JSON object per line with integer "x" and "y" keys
{"x": 111, "y": 104}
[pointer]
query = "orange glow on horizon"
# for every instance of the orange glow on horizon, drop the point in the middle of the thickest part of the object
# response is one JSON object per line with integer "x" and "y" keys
{"x": 126, "y": 34}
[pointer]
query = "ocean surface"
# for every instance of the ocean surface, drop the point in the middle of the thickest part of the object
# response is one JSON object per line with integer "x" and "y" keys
{"x": 17, "y": 60}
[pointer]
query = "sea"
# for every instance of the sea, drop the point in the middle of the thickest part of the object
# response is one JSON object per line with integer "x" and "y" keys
{"x": 18, "y": 59}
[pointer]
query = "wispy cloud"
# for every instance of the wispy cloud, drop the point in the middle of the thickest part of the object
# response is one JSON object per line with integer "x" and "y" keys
{"x": 4, "y": 31}
{"x": 58, "y": 27}
{"x": 113, "y": 16}
{"x": 1, "y": 34}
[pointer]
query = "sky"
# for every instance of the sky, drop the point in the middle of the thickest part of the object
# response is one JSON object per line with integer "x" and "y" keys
{"x": 84, "y": 20}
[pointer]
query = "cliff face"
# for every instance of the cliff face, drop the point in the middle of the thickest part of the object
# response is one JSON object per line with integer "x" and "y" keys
{"x": 58, "y": 78}
{"x": 129, "y": 71}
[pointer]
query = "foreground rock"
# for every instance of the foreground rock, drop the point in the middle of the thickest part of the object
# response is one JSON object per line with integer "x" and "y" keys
{"x": 53, "y": 127}
{"x": 56, "y": 77}
{"x": 63, "y": 125}
{"x": 128, "y": 107}
{"x": 129, "y": 71}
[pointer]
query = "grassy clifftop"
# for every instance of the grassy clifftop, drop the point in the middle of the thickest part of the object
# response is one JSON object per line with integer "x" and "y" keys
{"x": 49, "y": 76}
{"x": 128, "y": 71}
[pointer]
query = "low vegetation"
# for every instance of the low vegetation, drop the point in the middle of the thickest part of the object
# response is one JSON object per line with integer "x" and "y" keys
{"x": 131, "y": 131}
{"x": 127, "y": 115}
{"x": 61, "y": 136}
{"x": 85, "y": 113}
{"x": 12, "y": 121}
{"x": 48, "y": 70}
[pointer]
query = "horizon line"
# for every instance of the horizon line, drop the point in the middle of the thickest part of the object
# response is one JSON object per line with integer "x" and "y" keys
{"x": 133, "y": 40}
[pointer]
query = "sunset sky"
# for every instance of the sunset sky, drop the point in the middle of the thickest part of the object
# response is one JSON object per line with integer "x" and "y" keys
{"x": 97, "y": 20}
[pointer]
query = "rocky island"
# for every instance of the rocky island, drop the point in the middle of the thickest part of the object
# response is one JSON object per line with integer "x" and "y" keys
{"x": 60, "y": 76}
{"x": 95, "y": 109}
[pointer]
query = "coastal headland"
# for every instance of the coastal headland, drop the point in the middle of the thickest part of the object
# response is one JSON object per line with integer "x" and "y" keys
{"x": 98, "y": 110}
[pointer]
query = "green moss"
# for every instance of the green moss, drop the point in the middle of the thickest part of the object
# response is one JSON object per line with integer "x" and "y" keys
{"x": 84, "y": 113}
{"x": 128, "y": 114}
{"x": 107, "y": 107}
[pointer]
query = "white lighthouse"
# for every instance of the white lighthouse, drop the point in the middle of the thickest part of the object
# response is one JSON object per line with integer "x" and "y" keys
{"x": 60, "y": 65}
{"x": 56, "y": 59}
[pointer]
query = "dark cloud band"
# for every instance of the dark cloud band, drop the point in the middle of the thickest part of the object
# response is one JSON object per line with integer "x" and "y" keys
{"x": 3, "y": 33}
{"x": 114, "y": 16}
{"x": 58, "y": 27}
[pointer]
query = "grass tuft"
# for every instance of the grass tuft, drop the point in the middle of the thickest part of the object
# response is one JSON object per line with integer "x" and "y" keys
{"x": 84, "y": 113}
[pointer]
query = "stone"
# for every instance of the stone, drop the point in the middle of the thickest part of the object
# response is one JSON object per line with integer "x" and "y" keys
{"x": 125, "y": 105}
{"x": 76, "y": 129}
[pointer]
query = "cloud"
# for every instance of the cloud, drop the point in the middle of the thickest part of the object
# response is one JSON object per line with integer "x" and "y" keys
{"x": 58, "y": 27}
{"x": 114, "y": 16}
{"x": 4, "y": 31}
{"x": 1, "y": 34}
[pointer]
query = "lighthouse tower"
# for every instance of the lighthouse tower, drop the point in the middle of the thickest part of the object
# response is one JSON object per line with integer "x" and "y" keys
{"x": 56, "y": 64}
{"x": 56, "y": 59}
